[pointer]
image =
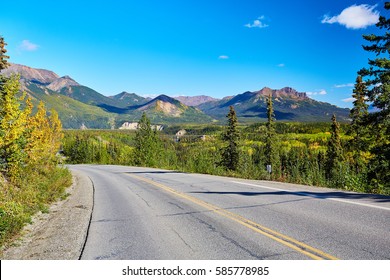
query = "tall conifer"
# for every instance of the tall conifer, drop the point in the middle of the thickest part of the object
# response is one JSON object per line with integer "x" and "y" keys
{"x": 230, "y": 154}
{"x": 377, "y": 79}
{"x": 359, "y": 112}
{"x": 357, "y": 129}
{"x": 271, "y": 141}
{"x": 12, "y": 128}
{"x": 3, "y": 58}
{"x": 146, "y": 143}
{"x": 334, "y": 154}
{"x": 270, "y": 136}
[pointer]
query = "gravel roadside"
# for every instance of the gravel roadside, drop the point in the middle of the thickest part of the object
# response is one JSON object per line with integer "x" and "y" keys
{"x": 61, "y": 233}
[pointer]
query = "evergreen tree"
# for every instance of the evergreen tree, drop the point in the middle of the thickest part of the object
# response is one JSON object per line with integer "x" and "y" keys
{"x": 3, "y": 58}
{"x": 147, "y": 143}
{"x": 334, "y": 154}
{"x": 357, "y": 129}
{"x": 271, "y": 153}
{"x": 12, "y": 121}
{"x": 25, "y": 140}
{"x": 377, "y": 79}
{"x": 230, "y": 153}
{"x": 378, "y": 74}
{"x": 359, "y": 112}
{"x": 12, "y": 128}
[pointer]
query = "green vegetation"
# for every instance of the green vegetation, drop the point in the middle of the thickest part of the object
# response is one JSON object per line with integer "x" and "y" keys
{"x": 300, "y": 157}
{"x": 377, "y": 92}
{"x": 252, "y": 107}
{"x": 147, "y": 143}
{"x": 271, "y": 143}
{"x": 73, "y": 113}
{"x": 334, "y": 154}
{"x": 29, "y": 176}
{"x": 345, "y": 156}
{"x": 230, "y": 153}
{"x": 353, "y": 156}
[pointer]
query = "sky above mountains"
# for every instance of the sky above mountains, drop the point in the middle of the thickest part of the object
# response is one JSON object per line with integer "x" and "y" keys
{"x": 215, "y": 48}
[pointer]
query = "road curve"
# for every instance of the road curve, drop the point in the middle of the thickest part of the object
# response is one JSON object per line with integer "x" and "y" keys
{"x": 144, "y": 213}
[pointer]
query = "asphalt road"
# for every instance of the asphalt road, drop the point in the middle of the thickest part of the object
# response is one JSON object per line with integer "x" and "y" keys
{"x": 144, "y": 213}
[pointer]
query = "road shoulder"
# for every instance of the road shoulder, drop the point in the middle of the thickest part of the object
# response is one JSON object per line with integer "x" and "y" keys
{"x": 61, "y": 233}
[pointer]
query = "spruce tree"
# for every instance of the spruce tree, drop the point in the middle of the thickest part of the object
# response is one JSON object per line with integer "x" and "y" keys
{"x": 357, "y": 129}
{"x": 12, "y": 128}
{"x": 359, "y": 112}
{"x": 271, "y": 153}
{"x": 230, "y": 153}
{"x": 25, "y": 140}
{"x": 12, "y": 122}
{"x": 3, "y": 58}
{"x": 147, "y": 143}
{"x": 377, "y": 79}
{"x": 334, "y": 154}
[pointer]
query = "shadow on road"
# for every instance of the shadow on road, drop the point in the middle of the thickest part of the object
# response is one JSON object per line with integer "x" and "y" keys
{"x": 153, "y": 172}
{"x": 321, "y": 195}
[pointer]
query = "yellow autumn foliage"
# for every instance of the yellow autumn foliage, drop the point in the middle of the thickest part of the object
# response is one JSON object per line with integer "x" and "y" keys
{"x": 26, "y": 140}
{"x": 12, "y": 127}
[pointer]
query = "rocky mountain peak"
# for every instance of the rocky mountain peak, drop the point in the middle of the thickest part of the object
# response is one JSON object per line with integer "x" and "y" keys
{"x": 292, "y": 92}
{"x": 165, "y": 98}
{"x": 61, "y": 83}
{"x": 123, "y": 95}
{"x": 165, "y": 104}
{"x": 284, "y": 92}
{"x": 40, "y": 76}
{"x": 195, "y": 100}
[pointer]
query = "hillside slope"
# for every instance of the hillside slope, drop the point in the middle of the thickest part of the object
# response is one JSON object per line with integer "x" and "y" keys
{"x": 79, "y": 105}
{"x": 289, "y": 105}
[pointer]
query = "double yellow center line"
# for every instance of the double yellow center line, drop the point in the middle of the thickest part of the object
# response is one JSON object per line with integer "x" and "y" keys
{"x": 279, "y": 237}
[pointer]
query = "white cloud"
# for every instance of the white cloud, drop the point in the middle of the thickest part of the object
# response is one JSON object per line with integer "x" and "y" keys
{"x": 319, "y": 92}
{"x": 350, "y": 99}
{"x": 224, "y": 57}
{"x": 355, "y": 17}
{"x": 26, "y": 45}
{"x": 257, "y": 23}
{"x": 344, "y": 85}
{"x": 281, "y": 65}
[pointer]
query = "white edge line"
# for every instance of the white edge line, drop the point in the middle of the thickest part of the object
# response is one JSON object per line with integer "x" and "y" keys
{"x": 313, "y": 196}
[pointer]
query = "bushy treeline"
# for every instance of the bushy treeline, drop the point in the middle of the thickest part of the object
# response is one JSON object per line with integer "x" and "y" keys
{"x": 29, "y": 142}
{"x": 99, "y": 147}
{"x": 297, "y": 158}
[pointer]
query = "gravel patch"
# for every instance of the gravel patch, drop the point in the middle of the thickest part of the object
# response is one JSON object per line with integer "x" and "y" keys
{"x": 61, "y": 233}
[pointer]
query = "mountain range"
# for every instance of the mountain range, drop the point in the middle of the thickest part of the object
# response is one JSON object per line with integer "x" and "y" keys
{"x": 79, "y": 105}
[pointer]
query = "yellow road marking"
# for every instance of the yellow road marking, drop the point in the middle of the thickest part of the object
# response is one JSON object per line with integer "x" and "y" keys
{"x": 279, "y": 237}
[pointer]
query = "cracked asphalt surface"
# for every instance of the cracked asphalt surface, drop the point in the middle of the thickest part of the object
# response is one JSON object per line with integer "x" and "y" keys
{"x": 132, "y": 213}
{"x": 144, "y": 213}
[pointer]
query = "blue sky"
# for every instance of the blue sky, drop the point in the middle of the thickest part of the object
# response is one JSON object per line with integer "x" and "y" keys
{"x": 216, "y": 48}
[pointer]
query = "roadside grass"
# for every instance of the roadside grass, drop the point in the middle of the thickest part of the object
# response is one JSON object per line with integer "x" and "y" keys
{"x": 301, "y": 148}
{"x": 34, "y": 193}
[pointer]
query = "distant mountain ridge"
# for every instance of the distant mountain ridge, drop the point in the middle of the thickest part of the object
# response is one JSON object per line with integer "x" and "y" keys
{"x": 195, "y": 100}
{"x": 284, "y": 92}
{"x": 130, "y": 99}
{"x": 40, "y": 76}
{"x": 289, "y": 105}
{"x": 78, "y": 104}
